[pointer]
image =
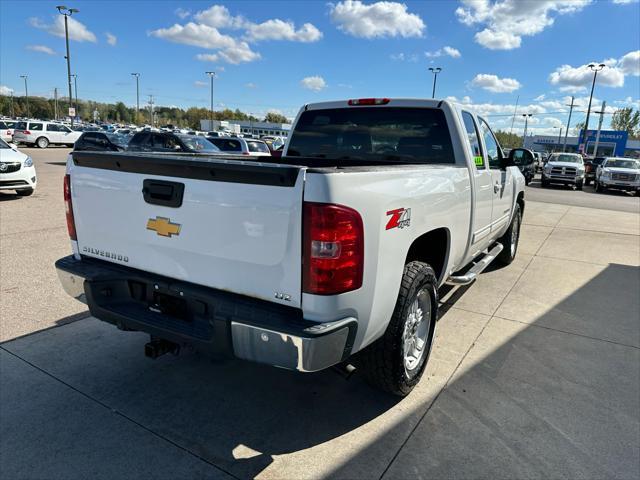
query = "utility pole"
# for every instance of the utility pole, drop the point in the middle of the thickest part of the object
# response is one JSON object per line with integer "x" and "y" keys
{"x": 595, "y": 70}
{"x": 55, "y": 102}
{"x": 75, "y": 84}
{"x": 13, "y": 113}
{"x": 566, "y": 132}
{"x": 26, "y": 93}
{"x": 559, "y": 137}
{"x": 212, "y": 75}
{"x": 435, "y": 72}
{"x": 151, "y": 110}
{"x": 67, "y": 12}
{"x": 526, "y": 125}
{"x": 601, "y": 112}
{"x": 137, "y": 75}
{"x": 515, "y": 111}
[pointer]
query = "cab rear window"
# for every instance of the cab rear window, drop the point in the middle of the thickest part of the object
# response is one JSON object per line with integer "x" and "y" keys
{"x": 405, "y": 135}
{"x": 258, "y": 147}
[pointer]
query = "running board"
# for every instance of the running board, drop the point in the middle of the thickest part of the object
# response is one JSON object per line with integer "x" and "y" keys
{"x": 477, "y": 269}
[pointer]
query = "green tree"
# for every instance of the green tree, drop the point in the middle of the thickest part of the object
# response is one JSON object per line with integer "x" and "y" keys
{"x": 627, "y": 120}
{"x": 275, "y": 118}
{"x": 508, "y": 140}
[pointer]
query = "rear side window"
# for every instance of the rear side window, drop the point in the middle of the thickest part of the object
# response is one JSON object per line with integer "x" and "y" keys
{"x": 227, "y": 145}
{"x": 52, "y": 127}
{"x": 473, "y": 140}
{"x": 490, "y": 142}
{"x": 3, "y": 126}
{"x": 403, "y": 135}
{"x": 35, "y": 126}
{"x": 258, "y": 147}
{"x": 21, "y": 126}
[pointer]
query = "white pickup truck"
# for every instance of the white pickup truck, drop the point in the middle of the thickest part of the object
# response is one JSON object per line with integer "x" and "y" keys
{"x": 335, "y": 251}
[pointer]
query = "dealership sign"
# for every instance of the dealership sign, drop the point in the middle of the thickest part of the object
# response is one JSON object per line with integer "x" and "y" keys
{"x": 615, "y": 138}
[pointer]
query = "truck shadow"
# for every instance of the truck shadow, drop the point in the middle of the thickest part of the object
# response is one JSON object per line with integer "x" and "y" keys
{"x": 238, "y": 416}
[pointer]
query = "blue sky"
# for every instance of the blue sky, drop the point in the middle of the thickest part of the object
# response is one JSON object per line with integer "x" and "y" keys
{"x": 272, "y": 55}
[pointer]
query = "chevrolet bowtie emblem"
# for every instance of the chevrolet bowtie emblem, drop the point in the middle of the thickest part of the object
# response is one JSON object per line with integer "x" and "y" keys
{"x": 163, "y": 226}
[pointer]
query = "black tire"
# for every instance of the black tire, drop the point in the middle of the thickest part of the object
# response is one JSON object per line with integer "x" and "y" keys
{"x": 527, "y": 180}
{"x": 544, "y": 182}
{"x": 509, "y": 250}
{"x": 587, "y": 182}
{"x": 579, "y": 185}
{"x": 42, "y": 142}
{"x": 25, "y": 192}
{"x": 383, "y": 362}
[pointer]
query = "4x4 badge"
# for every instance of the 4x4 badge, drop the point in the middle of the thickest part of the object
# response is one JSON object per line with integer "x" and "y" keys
{"x": 400, "y": 218}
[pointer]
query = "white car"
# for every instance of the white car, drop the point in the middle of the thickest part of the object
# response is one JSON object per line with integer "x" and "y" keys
{"x": 6, "y": 129}
{"x": 43, "y": 134}
{"x": 338, "y": 248}
{"x": 619, "y": 174}
{"x": 564, "y": 168}
{"x": 241, "y": 146}
{"x": 16, "y": 170}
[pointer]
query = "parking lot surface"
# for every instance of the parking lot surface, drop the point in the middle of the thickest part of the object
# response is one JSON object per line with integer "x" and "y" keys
{"x": 535, "y": 372}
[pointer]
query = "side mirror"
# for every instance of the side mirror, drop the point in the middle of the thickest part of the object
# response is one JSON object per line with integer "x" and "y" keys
{"x": 518, "y": 156}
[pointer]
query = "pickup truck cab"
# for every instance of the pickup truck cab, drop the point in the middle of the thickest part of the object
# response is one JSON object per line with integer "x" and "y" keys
{"x": 334, "y": 252}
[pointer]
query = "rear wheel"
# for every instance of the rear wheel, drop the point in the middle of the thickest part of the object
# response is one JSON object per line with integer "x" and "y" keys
{"x": 579, "y": 185}
{"x": 395, "y": 362}
{"x": 544, "y": 182}
{"x": 42, "y": 142}
{"x": 511, "y": 238}
{"x": 587, "y": 181}
{"x": 25, "y": 192}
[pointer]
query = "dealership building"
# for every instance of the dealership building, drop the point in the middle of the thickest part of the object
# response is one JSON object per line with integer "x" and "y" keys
{"x": 246, "y": 127}
{"x": 611, "y": 143}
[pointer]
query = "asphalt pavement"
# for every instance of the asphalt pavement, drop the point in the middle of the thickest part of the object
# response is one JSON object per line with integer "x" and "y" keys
{"x": 535, "y": 372}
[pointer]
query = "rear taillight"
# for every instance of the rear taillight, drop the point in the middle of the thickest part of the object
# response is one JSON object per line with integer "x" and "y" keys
{"x": 333, "y": 249}
{"x": 368, "y": 101}
{"x": 26, "y": 132}
{"x": 71, "y": 224}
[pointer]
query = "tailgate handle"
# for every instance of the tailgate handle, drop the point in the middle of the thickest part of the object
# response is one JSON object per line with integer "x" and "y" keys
{"x": 160, "y": 192}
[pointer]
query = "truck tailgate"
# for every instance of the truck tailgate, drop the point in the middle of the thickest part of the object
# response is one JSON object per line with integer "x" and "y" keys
{"x": 237, "y": 227}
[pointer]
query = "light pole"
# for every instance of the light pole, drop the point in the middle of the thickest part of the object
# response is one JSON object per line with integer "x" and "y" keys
{"x": 137, "y": 75}
{"x": 526, "y": 125}
{"x": 67, "y": 12}
{"x": 566, "y": 132}
{"x": 595, "y": 70}
{"x": 559, "y": 135}
{"x": 75, "y": 86}
{"x": 212, "y": 75}
{"x": 435, "y": 72}
{"x": 26, "y": 92}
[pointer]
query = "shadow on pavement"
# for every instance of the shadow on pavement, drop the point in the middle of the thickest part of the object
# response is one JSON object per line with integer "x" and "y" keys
{"x": 541, "y": 404}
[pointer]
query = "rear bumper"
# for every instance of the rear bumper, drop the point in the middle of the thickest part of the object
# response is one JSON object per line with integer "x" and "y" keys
{"x": 209, "y": 319}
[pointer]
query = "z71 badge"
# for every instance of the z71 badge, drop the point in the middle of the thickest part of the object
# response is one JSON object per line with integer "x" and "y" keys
{"x": 400, "y": 218}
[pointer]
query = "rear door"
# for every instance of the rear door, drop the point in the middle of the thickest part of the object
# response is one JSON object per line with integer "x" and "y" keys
{"x": 236, "y": 227}
{"x": 483, "y": 182}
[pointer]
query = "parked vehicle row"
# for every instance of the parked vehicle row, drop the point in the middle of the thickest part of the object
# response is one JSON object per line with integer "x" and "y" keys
{"x": 618, "y": 174}
{"x": 565, "y": 169}
{"x": 16, "y": 170}
{"x": 42, "y": 134}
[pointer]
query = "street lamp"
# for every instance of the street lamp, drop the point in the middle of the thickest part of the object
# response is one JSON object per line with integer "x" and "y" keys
{"x": 595, "y": 69}
{"x": 526, "y": 125}
{"x": 211, "y": 76}
{"x": 137, "y": 75}
{"x": 67, "y": 12}
{"x": 26, "y": 92}
{"x": 435, "y": 72}
{"x": 75, "y": 86}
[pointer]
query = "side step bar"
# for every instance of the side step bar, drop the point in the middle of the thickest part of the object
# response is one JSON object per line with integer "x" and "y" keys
{"x": 477, "y": 269}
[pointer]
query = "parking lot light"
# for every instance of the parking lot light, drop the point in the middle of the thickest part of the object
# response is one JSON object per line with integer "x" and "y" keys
{"x": 526, "y": 125}
{"x": 212, "y": 75}
{"x": 595, "y": 68}
{"x": 67, "y": 12}
{"x": 435, "y": 72}
{"x": 137, "y": 75}
{"x": 26, "y": 92}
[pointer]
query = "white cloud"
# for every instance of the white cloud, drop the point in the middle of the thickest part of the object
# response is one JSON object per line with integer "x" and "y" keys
{"x": 218, "y": 16}
{"x": 241, "y": 52}
{"x": 4, "y": 90}
{"x": 250, "y": 85}
{"x": 195, "y": 34}
{"x": 315, "y": 83}
{"x": 376, "y": 20}
{"x": 576, "y": 79}
{"x": 277, "y": 29}
{"x": 624, "y": 2}
{"x": 182, "y": 13}
{"x": 495, "y": 84}
{"x": 208, "y": 57}
{"x": 200, "y": 84}
{"x": 505, "y": 22}
{"x": 111, "y": 39}
{"x": 539, "y": 98}
{"x": 448, "y": 51}
{"x": 401, "y": 57}
{"x": 630, "y": 63}
{"x": 41, "y": 49}
{"x": 77, "y": 30}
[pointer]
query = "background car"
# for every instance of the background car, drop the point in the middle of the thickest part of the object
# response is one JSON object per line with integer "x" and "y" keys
{"x": 147, "y": 141}
{"x": 590, "y": 167}
{"x": 16, "y": 170}
{"x": 564, "y": 168}
{"x": 619, "y": 174}
{"x": 241, "y": 146}
{"x": 6, "y": 129}
{"x": 101, "y": 141}
{"x": 43, "y": 134}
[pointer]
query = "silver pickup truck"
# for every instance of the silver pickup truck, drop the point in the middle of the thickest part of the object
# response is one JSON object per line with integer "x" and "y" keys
{"x": 335, "y": 251}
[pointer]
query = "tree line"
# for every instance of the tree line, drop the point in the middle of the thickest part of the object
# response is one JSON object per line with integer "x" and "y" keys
{"x": 44, "y": 109}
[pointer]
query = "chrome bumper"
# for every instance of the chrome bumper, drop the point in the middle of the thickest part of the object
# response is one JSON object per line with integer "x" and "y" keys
{"x": 307, "y": 348}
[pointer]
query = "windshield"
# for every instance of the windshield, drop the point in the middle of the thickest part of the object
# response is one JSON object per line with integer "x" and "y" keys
{"x": 258, "y": 147}
{"x": 622, "y": 163}
{"x": 566, "y": 158}
{"x": 4, "y": 145}
{"x": 118, "y": 139}
{"x": 414, "y": 135}
{"x": 199, "y": 144}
